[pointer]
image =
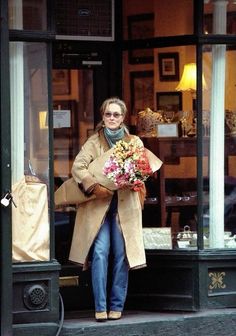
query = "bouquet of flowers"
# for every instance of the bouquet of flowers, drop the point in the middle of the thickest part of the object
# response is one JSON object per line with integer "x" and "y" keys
{"x": 128, "y": 166}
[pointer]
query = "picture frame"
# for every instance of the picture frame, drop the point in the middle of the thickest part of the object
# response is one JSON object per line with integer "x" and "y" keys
{"x": 167, "y": 130}
{"x": 169, "y": 101}
{"x": 141, "y": 90}
{"x": 168, "y": 66}
{"x": 141, "y": 26}
{"x": 60, "y": 82}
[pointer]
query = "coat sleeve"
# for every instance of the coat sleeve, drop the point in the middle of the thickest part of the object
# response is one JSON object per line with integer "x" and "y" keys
{"x": 88, "y": 153}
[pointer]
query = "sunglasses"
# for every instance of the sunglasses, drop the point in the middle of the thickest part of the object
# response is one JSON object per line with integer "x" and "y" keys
{"x": 116, "y": 115}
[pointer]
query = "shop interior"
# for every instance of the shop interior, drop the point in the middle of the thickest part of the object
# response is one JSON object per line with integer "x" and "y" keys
{"x": 159, "y": 87}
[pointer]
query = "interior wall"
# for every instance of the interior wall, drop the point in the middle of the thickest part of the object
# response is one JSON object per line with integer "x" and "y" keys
{"x": 175, "y": 22}
{"x": 133, "y": 7}
{"x": 173, "y": 17}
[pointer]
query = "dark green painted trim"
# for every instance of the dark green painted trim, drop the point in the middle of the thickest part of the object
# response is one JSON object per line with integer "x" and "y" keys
{"x": 30, "y": 36}
{"x": 42, "y": 266}
{"x": 200, "y": 176}
{"x": 212, "y": 254}
{"x": 5, "y": 178}
{"x": 51, "y": 152}
{"x": 50, "y": 16}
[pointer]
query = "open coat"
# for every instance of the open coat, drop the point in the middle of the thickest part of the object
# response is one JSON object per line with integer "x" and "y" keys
{"x": 90, "y": 215}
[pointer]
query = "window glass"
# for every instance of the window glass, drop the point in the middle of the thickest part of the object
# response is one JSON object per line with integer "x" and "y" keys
{"x": 219, "y": 17}
{"x": 143, "y": 19}
{"x": 219, "y": 129}
{"x": 27, "y": 14}
{"x": 30, "y": 150}
{"x": 161, "y": 99}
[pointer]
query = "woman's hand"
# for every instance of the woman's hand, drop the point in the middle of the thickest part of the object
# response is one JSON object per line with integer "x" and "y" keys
{"x": 101, "y": 192}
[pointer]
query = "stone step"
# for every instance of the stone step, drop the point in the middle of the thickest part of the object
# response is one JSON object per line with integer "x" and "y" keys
{"x": 220, "y": 322}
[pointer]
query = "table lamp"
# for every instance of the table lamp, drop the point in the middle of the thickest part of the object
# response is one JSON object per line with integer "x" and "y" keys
{"x": 188, "y": 81}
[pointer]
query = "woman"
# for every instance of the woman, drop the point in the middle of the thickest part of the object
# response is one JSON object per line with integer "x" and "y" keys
{"x": 109, "y": 227}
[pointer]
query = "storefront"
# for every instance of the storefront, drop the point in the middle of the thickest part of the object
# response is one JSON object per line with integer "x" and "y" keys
{"x": 56, "y": 70}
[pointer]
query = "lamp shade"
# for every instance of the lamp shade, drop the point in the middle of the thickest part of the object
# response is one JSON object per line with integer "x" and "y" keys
{"x": 189, "y": 79}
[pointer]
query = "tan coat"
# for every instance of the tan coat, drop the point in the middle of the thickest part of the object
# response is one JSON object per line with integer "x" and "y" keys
{"x": 90, "y": 215}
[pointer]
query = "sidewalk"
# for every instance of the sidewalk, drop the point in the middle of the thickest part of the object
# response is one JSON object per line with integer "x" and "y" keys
{"x": 220, "y": 322}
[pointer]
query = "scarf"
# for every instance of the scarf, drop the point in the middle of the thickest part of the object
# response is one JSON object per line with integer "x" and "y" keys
{"x": 113, "y": 136}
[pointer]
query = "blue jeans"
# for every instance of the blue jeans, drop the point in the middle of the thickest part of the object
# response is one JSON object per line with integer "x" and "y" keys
{"x": 109, "y": 243}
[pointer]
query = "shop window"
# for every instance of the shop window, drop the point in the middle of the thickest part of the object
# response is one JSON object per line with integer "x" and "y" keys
{"x": 29, "y": 150}
{"x": 165, "y": 120}
{"x": 168, "y": 125}
{"x": 219, "y": 17}
{"x": 219, "y": 127}
{"x": 155, "y": 18}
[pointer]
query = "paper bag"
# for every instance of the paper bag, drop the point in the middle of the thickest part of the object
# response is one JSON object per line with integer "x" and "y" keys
{"x": 69, "y": 193}
{"x": 30, "y": 221}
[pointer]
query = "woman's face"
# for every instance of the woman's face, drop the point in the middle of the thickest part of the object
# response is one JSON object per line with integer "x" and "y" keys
{"x": 113, "y": 116}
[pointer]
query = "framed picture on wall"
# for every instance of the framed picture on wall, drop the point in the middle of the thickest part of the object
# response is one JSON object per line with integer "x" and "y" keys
{"x": 141, "y": 26}
{"x": 142, "y": 90}
{"x": 167, "y": 101}
{"x": 168, "y": 66}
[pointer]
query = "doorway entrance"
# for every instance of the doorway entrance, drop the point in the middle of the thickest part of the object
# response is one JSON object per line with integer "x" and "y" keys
{"x": 84, "y": 74}
{"x": 73, "y": 116}
{"x": 73, "y": 123}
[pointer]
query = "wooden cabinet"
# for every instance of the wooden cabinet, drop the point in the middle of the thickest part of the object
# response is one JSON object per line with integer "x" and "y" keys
{"x": 171, "y": 184}
{"x": 177, "y": 178}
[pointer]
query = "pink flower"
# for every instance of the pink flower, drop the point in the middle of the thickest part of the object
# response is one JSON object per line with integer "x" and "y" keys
{"x": 128, "y": 166}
